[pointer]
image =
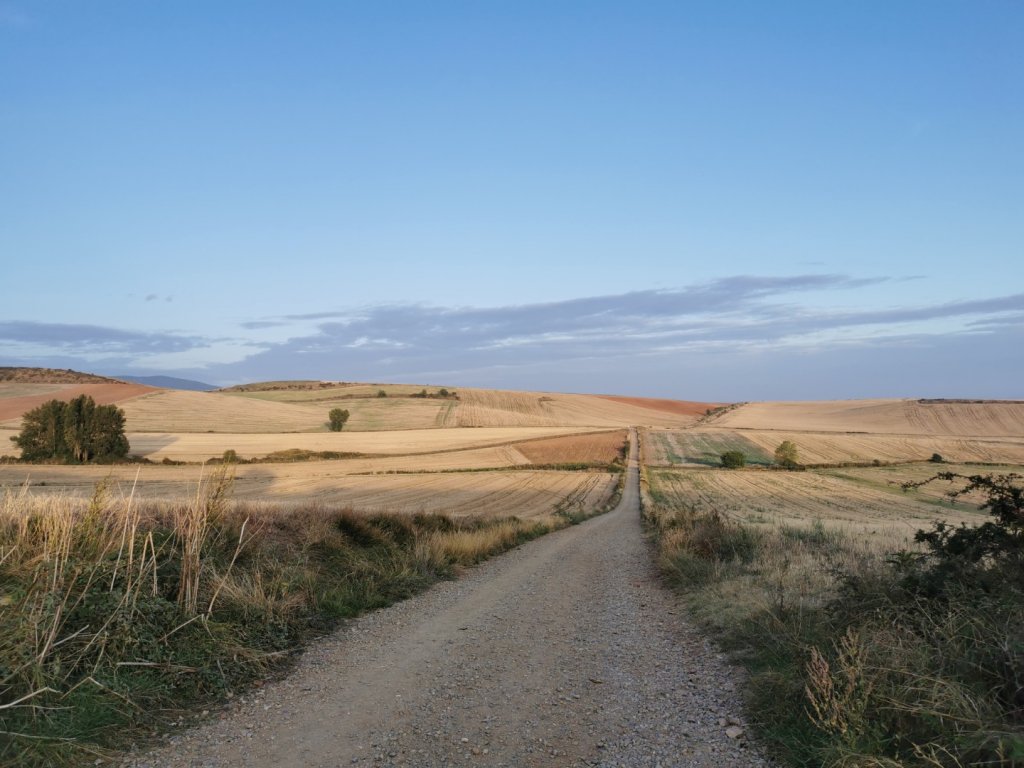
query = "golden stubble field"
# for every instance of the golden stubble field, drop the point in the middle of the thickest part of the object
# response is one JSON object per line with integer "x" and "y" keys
{"x": 867, "y": 503}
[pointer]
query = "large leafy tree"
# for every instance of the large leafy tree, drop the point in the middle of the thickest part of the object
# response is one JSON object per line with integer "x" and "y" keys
{"x": 77, "y": 431}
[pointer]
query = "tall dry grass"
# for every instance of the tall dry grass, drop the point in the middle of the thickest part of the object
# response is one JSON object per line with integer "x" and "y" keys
{"x": 116, "y": 614}
{"x": 847, "y": 666}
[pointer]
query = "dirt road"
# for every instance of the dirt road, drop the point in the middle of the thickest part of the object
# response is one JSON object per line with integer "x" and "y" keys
{"x": 565, "y": 652}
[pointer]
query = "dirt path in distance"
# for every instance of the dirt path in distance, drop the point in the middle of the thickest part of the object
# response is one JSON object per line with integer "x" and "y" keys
{"x": 564, "y": 652}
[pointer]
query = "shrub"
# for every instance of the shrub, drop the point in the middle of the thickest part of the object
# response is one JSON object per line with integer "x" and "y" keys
{"x": 337, "y": 418}
{"x": 937, "y": 459}
{"x": 733, "y": 459}
{"x": 786, "y": 455}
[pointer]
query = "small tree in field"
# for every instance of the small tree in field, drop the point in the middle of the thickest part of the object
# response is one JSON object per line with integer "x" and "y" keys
{"x": 336, "y": 419}
{"x": 785, "y": 455}
{"x": 733, "y": 459}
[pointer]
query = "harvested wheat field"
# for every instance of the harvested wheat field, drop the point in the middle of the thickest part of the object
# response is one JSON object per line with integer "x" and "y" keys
{"x": 867, "y": 509}
{"x": 316, "y": 391}
{"x": 911, "y": 417}
{"x": 185, "y": 446}
{"x": 834, "y": 448}
{"x": 16, "y": 398}
{"x": 519, "y": 493}
{"x": 493, "y": 408}
{"x": 182, "y": 411}
{"x": 705, "y": 445}
{"x": 891, "y": 478}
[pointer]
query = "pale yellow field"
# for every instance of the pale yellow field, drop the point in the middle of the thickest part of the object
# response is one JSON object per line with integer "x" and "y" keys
{"x": 25, "y": 389}
{"x": 520, "y": 493}
{"x": 822, "y": 448}
{"x": 495, "y": 408}
{"x": 909, "y": 417}
{"x": 178, "y": 411}
{"x": 185, "y": 446}
{"x": 703, "y": 445}
{"x": 862, "y": 506}
{"x": 333, "y": 391}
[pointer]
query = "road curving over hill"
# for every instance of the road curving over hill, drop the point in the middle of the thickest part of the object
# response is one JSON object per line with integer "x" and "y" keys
{"x": 564, "y": 652}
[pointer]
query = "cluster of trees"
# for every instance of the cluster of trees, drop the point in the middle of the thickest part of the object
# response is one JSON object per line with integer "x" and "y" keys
{"x": 442, "y": 393}
{"x": 76, "y": 432}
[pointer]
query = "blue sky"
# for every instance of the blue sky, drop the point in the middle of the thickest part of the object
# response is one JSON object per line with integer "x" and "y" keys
{"x": 704, "y": 200}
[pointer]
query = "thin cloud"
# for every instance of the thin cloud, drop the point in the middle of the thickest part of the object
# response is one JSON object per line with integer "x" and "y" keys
{"x": 94, "y": 337}
{"x": 735, "y": 313}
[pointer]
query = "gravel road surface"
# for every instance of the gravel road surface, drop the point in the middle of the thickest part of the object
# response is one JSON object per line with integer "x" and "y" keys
{"x": 564, "y": 652}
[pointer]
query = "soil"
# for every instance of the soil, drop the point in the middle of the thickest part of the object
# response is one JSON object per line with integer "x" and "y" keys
{"x": 103, "y": 393}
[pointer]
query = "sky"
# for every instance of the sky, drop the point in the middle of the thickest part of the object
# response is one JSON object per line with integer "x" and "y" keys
{"x": 718, "y": 200}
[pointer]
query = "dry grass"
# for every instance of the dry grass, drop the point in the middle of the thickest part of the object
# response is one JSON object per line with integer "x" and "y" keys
{"x": 596, "y": 448}
{"x": 115, "y": 613}
{"x": 848, "y": 665}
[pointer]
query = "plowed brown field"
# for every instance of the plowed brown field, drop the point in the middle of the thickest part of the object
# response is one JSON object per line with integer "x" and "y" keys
{"x": 598, "y": 448}
{"x": 33, "y": 395}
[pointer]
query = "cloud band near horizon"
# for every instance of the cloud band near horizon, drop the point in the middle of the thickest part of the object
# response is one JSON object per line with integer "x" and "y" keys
{"x": 735, "y": 324}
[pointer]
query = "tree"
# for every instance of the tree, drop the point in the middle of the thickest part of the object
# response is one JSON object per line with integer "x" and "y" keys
{"x": 381, "y": 393}
{"x": 78, "y": 431}
{"x": 733, "y": 459}
{"x": 336, "y": 419}
{"x": 785, "y": 455}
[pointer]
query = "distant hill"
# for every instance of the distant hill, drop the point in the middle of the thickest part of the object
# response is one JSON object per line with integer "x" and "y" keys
{"x": 170, "y": 382}
{"x": 51, "y": 376}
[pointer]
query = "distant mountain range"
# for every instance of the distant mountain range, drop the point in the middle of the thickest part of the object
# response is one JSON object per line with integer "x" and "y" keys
{"x": 169, "y": 382}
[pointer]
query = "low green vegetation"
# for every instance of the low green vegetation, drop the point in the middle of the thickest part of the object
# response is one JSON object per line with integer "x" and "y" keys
{"x": 864, "y": 653}
{"x": 707, "y": 448}
{"x": 117, "y": 616}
